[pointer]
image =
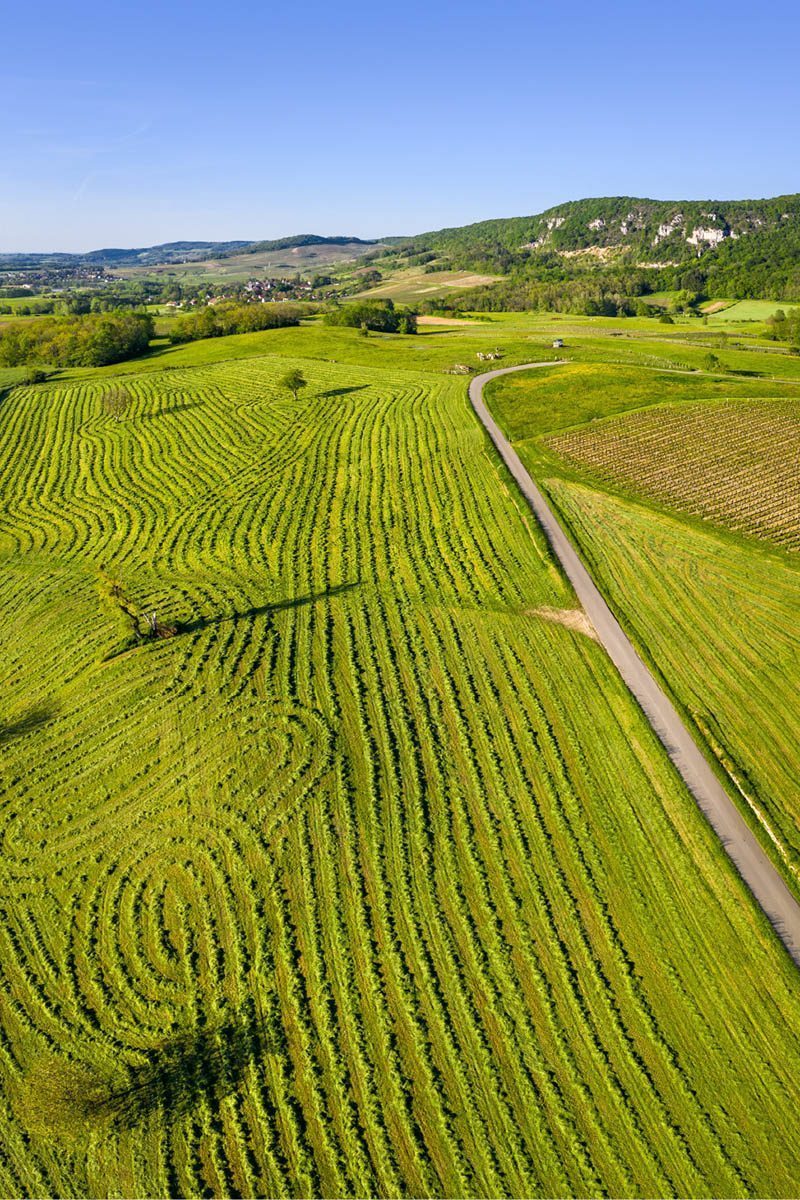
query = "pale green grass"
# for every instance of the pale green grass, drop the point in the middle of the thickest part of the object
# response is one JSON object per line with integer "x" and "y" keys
{"x": 538, "y": 403}
{"x": 522, "y": 337}
{"x": 721, "y": 449}
{"x": 660, "y": 299}
{"x": 262, "y": 263}
{"x": 750, "y": 310}
{"x": 413, "y": 285}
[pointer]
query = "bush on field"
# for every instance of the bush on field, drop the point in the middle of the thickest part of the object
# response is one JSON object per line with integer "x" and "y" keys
{"x": 87, "y": 341}
{"x": 35, "y": 374}
{"x": 378, "y": 315}
{"x": 219, "y": 320}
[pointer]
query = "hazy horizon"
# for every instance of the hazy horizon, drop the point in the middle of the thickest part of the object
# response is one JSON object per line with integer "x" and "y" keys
{"x": 358, "y": 236}
{"x": 181, "y": 124}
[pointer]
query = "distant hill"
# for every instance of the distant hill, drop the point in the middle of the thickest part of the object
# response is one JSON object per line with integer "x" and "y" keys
{"x": 660, "y": 231}
{"x": 301, "y": 239}
{"x": 740, "y": 247}
{"x": 169, "y": 253}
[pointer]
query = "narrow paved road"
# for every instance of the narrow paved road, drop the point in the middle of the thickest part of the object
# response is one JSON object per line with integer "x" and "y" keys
{"x": 752, "y": 863}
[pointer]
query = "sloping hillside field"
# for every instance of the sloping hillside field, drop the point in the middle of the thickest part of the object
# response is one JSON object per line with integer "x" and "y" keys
{"x": 372, "y": 879}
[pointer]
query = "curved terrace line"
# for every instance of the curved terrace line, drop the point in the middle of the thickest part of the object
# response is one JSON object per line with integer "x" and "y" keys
{"x": 739, "y": 842}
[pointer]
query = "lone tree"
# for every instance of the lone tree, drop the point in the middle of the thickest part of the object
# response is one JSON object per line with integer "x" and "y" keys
{"x": 141, "y": 625}
{"x": 116, "y": 402}
{"x": 293, "y": 381}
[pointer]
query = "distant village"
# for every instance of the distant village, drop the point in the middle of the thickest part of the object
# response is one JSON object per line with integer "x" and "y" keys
{"x": 82, "y": 288}
{"x": 37, "y": 279}
{"x": 256, "y": 291}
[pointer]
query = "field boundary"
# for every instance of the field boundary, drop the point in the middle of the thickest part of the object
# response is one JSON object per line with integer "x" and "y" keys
{"x": 738, "y": 840}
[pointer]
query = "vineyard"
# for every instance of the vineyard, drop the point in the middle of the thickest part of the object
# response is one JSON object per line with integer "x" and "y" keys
{"x": 720, "y": 622}
{"x": 737, "y": 463}
{"x": 371, "y": 880}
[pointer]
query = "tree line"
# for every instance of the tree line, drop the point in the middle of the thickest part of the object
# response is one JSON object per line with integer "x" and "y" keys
{"x": 93, "y": 340}
{"x": 785, "y": 327}
{"x": 220, "y": 320}
{"x": 379, "y": 316}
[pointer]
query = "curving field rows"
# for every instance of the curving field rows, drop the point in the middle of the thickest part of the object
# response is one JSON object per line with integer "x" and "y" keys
{"x": 370, "y": 881}
{"x": 735, "y": 463}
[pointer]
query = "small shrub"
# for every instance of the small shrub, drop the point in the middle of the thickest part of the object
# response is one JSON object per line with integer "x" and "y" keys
{"x": 36, "y": 375}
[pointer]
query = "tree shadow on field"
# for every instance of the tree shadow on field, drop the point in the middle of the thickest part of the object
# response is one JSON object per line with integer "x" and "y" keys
{"x": 27, "y": 722}
{"x": 342, "y": 391}
{"x": 207, "y": 1062}
{"x": 265, "y": 609}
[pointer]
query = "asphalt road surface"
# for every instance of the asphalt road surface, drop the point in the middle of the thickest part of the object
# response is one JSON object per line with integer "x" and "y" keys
{"x": 751, "y": 862}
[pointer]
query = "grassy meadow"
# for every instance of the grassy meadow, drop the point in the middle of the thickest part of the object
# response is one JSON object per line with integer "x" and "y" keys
{"x": 751, "y": 310}
{"x": 373, "y": 880}
{"x": 718, "y": 621}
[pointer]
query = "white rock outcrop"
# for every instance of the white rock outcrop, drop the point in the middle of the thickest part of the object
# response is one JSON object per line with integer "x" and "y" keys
{"x": 701, "y": 236}
{"x": 666, "y": 228}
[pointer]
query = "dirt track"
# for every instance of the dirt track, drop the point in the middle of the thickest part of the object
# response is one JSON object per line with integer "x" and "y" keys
{"x": 752, "y": 863}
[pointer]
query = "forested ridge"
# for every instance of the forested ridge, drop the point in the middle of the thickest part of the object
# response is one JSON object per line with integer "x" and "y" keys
{"x": 742, "y": 249}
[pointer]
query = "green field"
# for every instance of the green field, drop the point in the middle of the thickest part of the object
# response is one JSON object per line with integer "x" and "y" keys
{"x": 412, "y": 285}
{"x": 724, "y": 310}
{"x": 285, "y": 262}
{"x": 750, "y": 310}
{"x": 592, "y": 387}
{"x": 661, "y": 299}
{"x": 373, "y": 880}
{"x": 16, "y": 303}
{"x": 719, "y": 621}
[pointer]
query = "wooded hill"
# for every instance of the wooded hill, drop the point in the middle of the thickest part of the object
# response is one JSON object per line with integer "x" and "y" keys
{"x": 738, "y": 248}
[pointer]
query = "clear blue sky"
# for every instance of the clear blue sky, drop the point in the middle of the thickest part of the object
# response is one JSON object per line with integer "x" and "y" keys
{"x": 129, "y": 124}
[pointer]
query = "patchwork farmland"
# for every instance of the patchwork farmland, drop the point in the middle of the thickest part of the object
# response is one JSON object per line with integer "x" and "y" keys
{"x": 686, "y": 514}
{"x": 372, "y": 879}
{"x": 735, "y": 463}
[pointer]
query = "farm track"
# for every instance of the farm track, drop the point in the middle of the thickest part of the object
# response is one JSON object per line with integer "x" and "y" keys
{"x": 763, "y": 879}
{"x": 402, "y": 853}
